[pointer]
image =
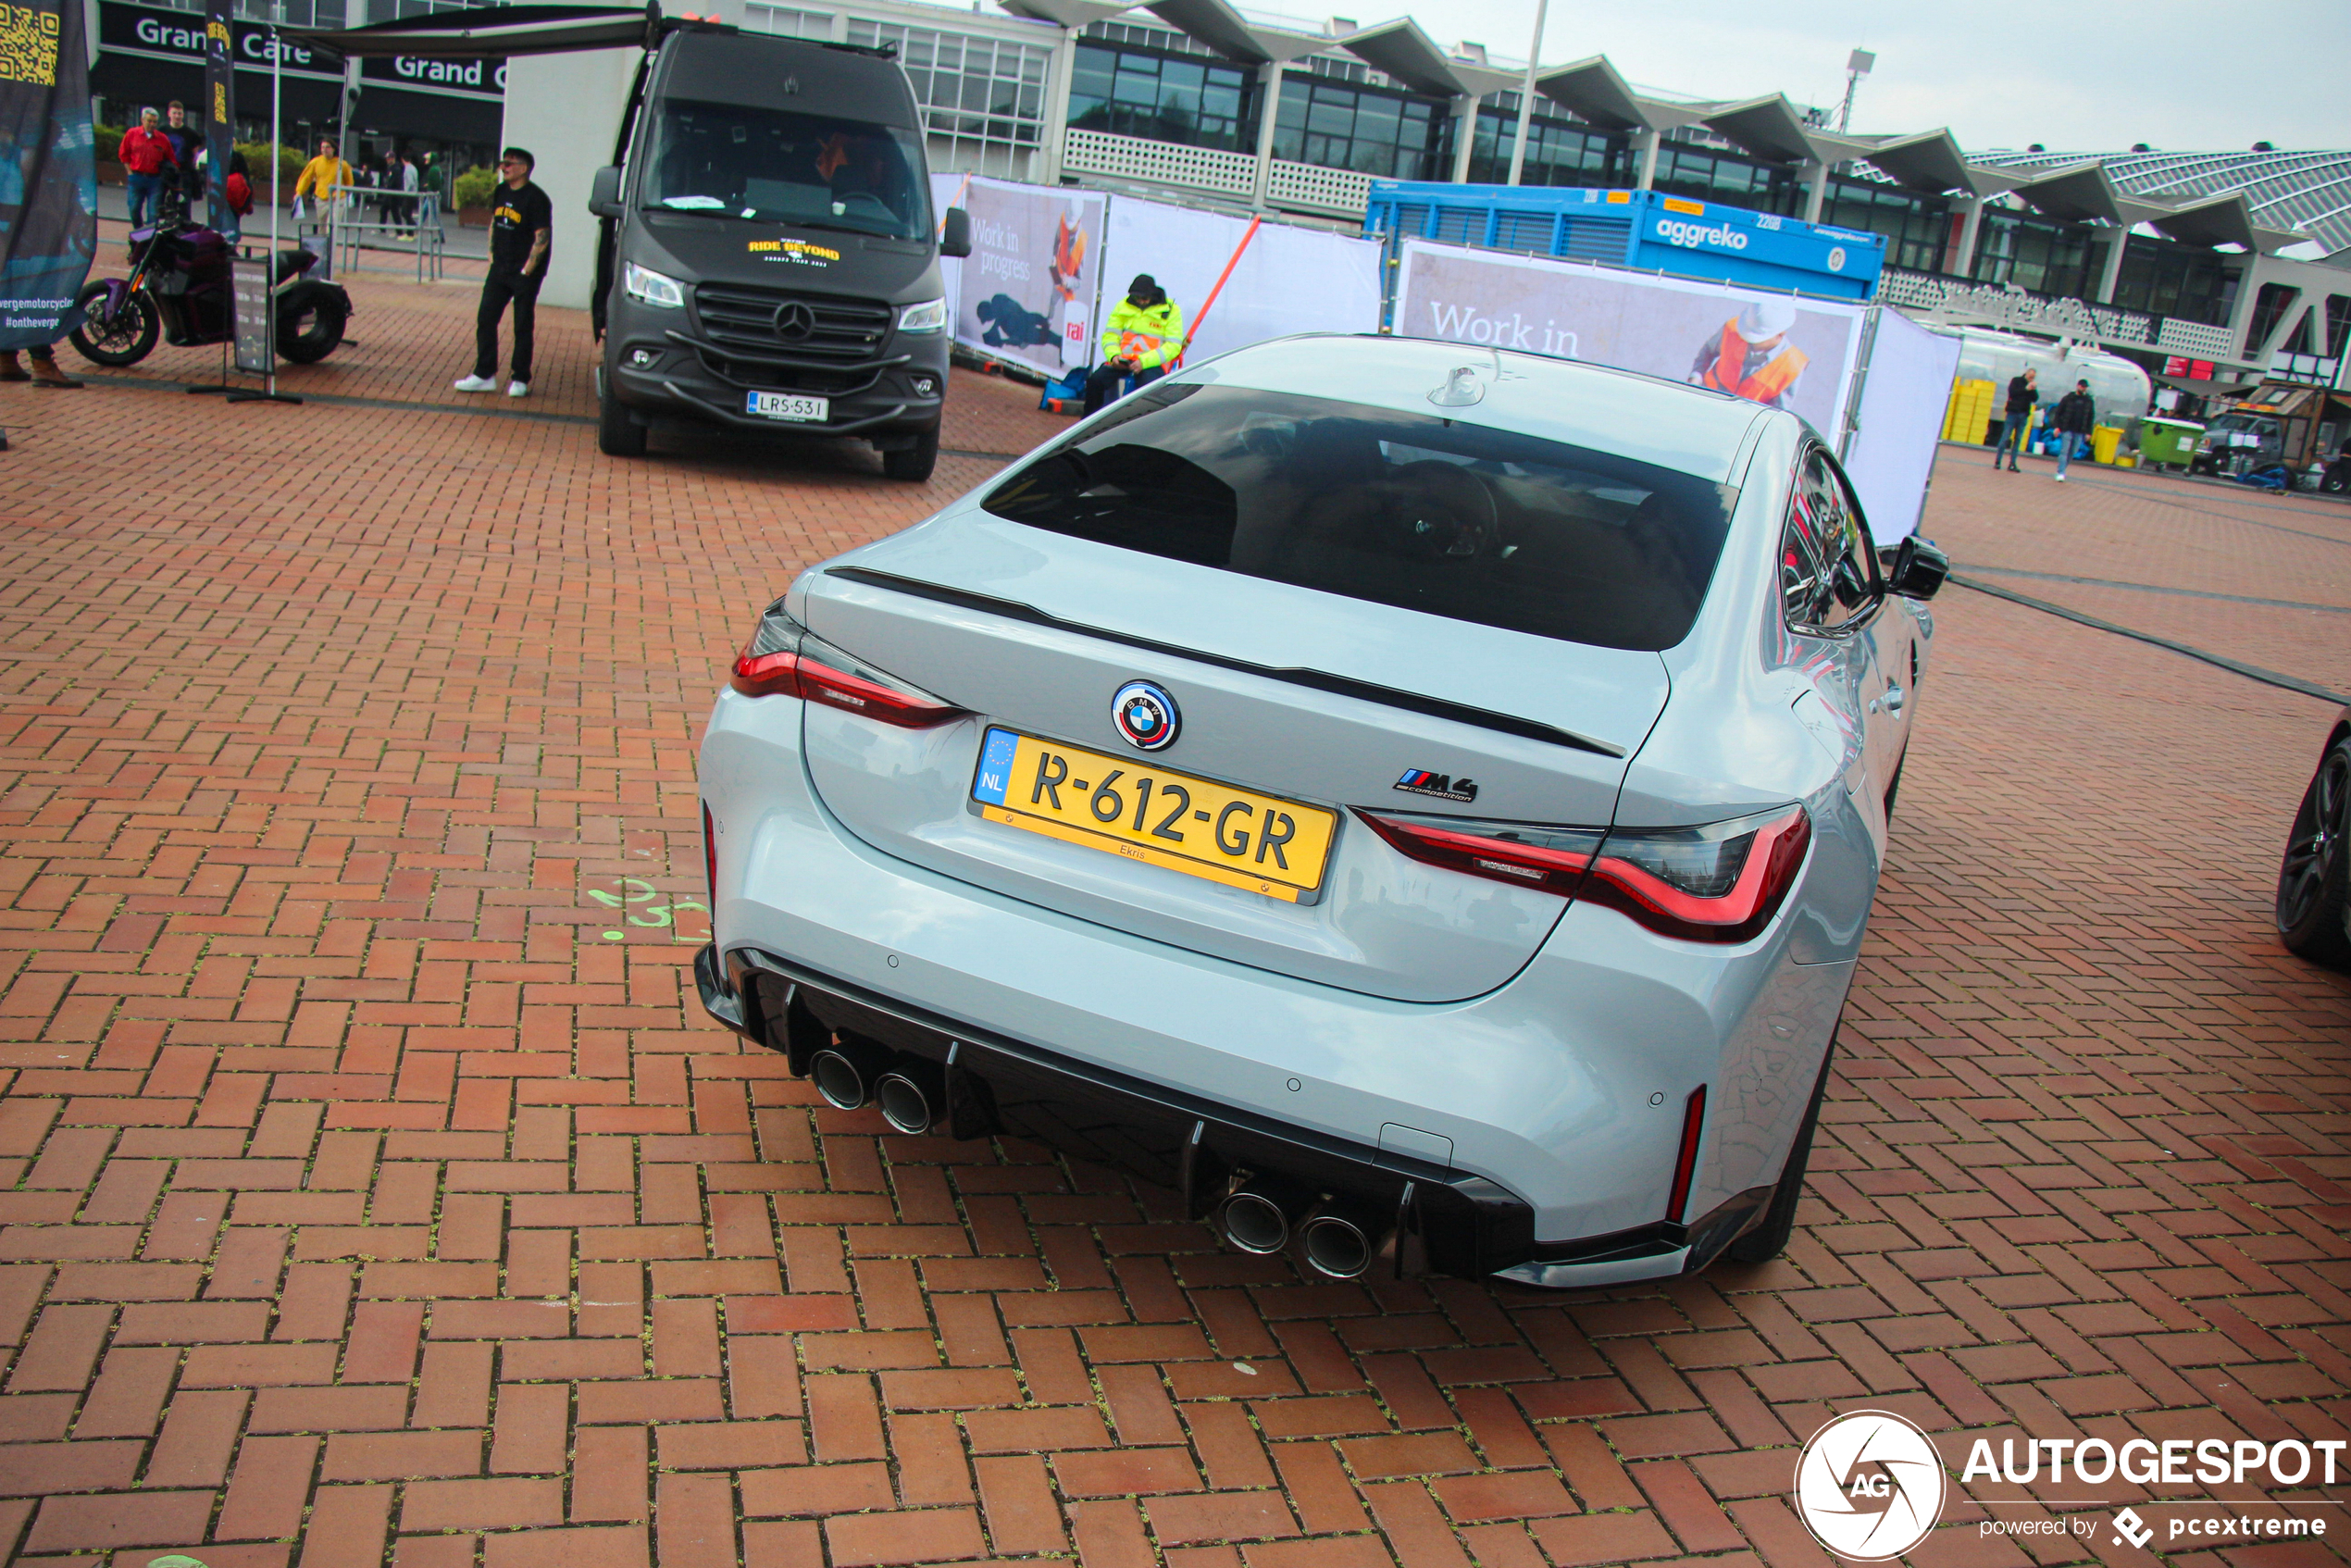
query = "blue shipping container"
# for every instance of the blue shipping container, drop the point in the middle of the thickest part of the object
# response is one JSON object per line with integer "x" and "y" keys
{"x": 1643, "y": 230}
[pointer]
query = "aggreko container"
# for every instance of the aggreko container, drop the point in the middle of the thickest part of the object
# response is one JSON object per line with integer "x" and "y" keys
{"x": 1645, "y": 230}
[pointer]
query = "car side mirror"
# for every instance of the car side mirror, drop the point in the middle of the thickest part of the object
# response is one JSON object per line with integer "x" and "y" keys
{"x": 604, "y": 193}
{"x": 1918, "y": 569}
{"x": 955, "y": 235}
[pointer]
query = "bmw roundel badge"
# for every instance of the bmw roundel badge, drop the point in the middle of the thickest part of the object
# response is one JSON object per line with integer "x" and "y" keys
{"x": 1146, "y": 715}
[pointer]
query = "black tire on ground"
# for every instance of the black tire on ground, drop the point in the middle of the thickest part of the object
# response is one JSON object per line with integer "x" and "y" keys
{"x": 1764, "y": 1242}
{"x": 126, "y": 338}
{"x": 617, "y": 434}
{"x": 914, "y": 464}
{"x": 309, "y": 328}
{"x": 2314, "y": 882}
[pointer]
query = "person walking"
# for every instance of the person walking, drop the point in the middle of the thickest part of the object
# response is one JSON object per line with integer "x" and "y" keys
{"x": 1145, "y": 334}
{"x": 521, "y": 228}
{"x": 406, "y": 178}
{"x": 325, "y": 179}
{"x": 2075, "y": 418}
{"x": 146, "y": 158}
{"x": 186, "y": 143}
{"x": 2017, "y": 420}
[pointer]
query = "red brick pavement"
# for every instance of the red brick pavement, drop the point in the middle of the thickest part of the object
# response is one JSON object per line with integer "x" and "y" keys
{"x": 371, "y": 1190}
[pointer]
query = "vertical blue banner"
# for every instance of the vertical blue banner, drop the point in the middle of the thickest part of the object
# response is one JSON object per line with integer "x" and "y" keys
{"x": 219, "y": 110}
{"x": 48, "y": 178}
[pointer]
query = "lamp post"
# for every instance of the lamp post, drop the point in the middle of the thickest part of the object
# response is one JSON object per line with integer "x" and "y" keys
{"x": 1526, "y": 91}
{"x": 1857, "y": 66}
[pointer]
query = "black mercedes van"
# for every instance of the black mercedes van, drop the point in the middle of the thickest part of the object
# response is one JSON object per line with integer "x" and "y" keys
{"x": 769, "y": 259}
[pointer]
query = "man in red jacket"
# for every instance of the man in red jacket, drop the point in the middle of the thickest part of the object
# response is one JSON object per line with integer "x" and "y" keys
{"x": 146, "y": 157}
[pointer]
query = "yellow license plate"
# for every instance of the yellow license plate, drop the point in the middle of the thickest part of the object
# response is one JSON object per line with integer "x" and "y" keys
{"x": 1131, "y": 808}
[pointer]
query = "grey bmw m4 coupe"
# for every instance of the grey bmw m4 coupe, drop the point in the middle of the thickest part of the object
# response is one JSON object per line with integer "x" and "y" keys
{"x": 1419, "y": 803}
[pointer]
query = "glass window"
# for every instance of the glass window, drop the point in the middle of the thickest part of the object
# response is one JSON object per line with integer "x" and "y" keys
{"x": 1557, "y": 153}
{"x": 1707, "y": 175}
{"x": 1413, "y": 510}
{"x": 1128, "y": 92}
{"x": 982, "y": 97}
{"x": 1916, "y": 227}
{"x": 786, "y": 21}
{"x": 1828, "y": 568}
{"x": 1365, "y": 129}
{"x": 730, "y": 160}
{"x": 2042, "y": 254}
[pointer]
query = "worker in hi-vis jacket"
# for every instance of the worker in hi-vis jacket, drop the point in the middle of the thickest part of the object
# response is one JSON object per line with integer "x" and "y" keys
{"x": 1144, "y": 336}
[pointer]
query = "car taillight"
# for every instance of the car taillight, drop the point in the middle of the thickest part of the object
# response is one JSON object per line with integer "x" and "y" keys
{"x": 1720, "y": 883}
{"x": 782, "y": 659}
{"x": 1525, "y": 854}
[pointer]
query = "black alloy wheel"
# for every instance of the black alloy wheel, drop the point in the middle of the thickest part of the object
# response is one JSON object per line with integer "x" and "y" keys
{"x": 2312, "y": 907}
{"x": 125, "y": 337}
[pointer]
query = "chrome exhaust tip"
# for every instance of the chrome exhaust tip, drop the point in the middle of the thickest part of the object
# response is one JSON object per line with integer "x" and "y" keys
{"x": 1336, "y": 1246}
{"x": 1254, "y": 1222}
{"x": 839, "y": 1079}
{"x": 904, "y": 1104}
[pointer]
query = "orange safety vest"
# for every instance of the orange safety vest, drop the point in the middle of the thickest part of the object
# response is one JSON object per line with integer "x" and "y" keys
{"x": 1778, "y": 373}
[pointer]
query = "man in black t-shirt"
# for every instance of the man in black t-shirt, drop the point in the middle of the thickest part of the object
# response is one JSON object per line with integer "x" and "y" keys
{"x": 521, "y": 228}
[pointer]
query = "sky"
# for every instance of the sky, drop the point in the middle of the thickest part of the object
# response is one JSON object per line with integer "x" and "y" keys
{"x": 2181, "y": 75}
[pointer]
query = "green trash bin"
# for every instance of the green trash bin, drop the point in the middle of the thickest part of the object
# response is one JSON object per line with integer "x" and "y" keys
{"x": 2168, "y": 442}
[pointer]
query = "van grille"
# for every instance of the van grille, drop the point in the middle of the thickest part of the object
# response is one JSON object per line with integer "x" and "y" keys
{"x": 804, "y": 326}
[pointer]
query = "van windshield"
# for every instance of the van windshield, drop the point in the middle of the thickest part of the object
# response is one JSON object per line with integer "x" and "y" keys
{"x": 731, "y": 160}
{"x": 1415, "y": 510}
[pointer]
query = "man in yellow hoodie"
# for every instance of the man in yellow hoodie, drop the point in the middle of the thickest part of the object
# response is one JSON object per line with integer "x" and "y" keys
{"x": 324, "y": 177}
{"x": 1144, "y": 336}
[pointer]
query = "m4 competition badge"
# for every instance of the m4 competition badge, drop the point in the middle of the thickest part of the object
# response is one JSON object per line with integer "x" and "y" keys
{"x": 1420, "y": 781}
{"x": 1146, "y": 715}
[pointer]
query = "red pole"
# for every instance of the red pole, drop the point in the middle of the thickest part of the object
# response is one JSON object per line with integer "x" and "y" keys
{"x": 1234, "y": 260}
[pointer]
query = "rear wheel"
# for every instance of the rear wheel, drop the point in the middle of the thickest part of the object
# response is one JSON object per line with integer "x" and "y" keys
{"x": 125, "y": 337}
{"x": 2313, "y": 881}
{"x": 1765, "y": 1242}
{"x": 914, "y": 463}
{"x": 309, "y": 326}
{"x": 617, "y": 434}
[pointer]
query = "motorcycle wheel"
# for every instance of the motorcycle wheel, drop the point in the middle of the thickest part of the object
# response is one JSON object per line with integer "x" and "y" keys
{"x": 124, "y": 338}
{"x": 309, "y": 328}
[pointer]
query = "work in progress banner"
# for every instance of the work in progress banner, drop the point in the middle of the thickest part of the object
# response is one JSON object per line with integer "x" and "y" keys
{"x": 219, "y": 108}
{"x": 1289, "y": 280}
{"x": 1797, "y": 354}
{"x": 1028, "y": 289}
{"x": 48, "y": 182}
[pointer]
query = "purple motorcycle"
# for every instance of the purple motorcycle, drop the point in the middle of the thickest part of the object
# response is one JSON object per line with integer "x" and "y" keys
{"x": 179, "y": 291}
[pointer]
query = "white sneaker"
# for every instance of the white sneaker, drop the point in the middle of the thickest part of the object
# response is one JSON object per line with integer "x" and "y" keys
{"x": 518, "y": 388}
{"x": 475, "y": 383}
{"x": 2061, "y": 479}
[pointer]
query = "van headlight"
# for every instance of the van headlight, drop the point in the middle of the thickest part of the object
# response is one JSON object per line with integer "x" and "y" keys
{"x": 643, "y": 283}
{"x": 927, "y": 317}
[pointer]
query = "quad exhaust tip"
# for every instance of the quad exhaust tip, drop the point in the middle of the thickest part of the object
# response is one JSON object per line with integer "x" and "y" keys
{"x": 839, "y": 1079}
{"x": 1336, "y": 1246}
{"x": 904, "y": 1104}
{"x": 1254, "y": 1222}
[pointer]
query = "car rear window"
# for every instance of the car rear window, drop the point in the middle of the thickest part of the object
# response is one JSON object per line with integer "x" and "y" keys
{"x": 1415, "y": 510}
